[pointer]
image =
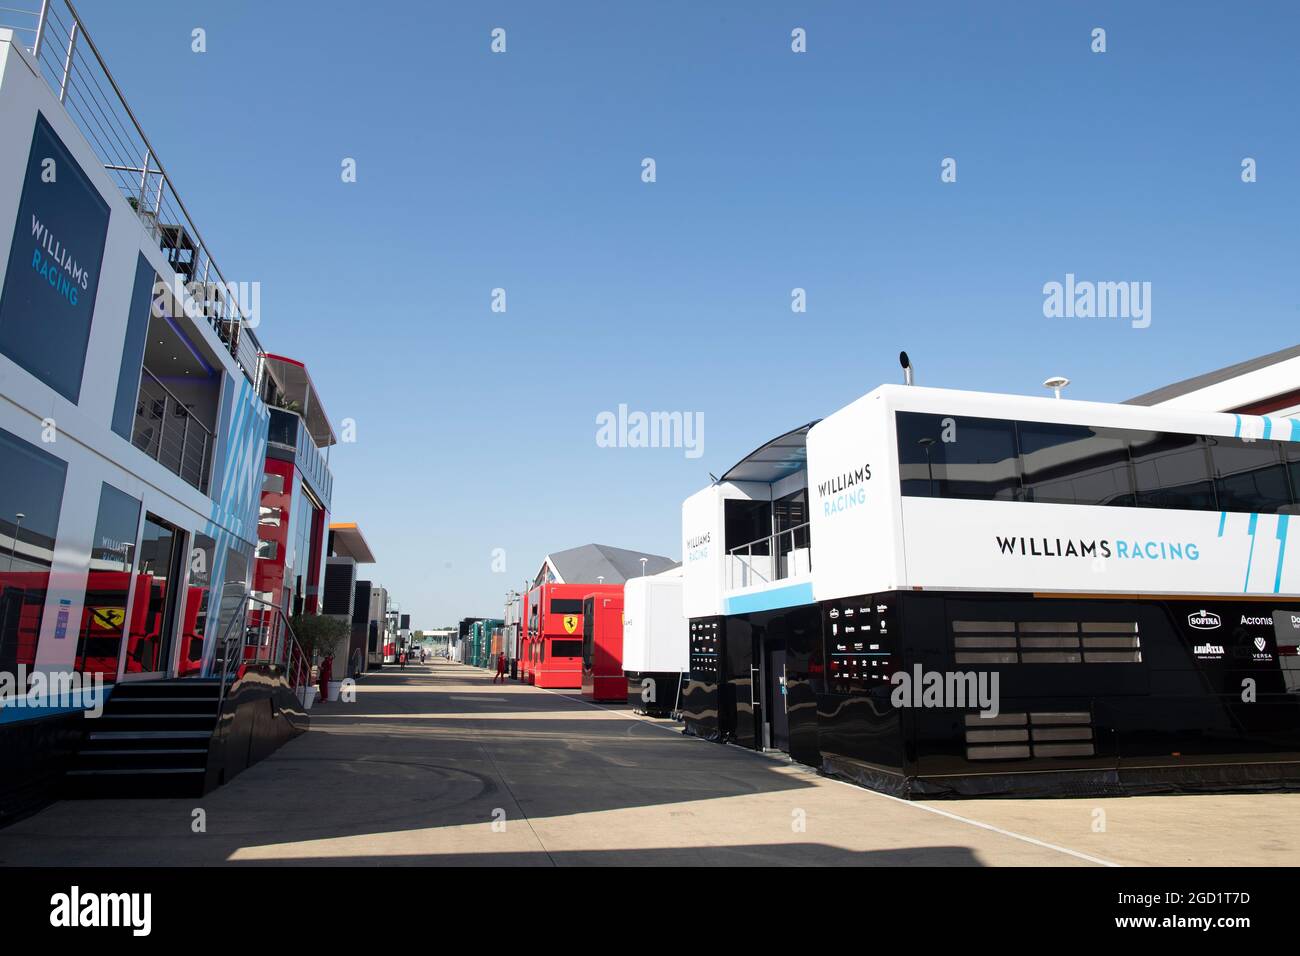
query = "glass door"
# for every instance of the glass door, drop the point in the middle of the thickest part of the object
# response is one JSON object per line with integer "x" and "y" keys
{"x": 161, "y": 572}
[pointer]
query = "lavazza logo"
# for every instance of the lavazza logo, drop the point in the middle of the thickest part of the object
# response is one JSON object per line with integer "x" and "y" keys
{"x": 1204, "y": 621}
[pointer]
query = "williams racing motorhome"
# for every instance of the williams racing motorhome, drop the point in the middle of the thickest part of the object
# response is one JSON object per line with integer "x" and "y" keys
{"x": 935, "y": 592}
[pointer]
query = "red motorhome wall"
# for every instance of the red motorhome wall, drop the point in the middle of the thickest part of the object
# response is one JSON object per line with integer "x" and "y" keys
{"x": 268, "y": 573}
{"x": 558, "y": 647}
{"x": 602, "y": 672}
{"x": 529, "y": 642}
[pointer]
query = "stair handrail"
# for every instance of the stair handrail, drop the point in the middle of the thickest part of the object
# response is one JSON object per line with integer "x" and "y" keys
{"x": 285, "y": 650}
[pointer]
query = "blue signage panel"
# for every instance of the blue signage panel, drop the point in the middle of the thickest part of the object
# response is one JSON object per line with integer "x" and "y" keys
{"x": 54, "y": 263}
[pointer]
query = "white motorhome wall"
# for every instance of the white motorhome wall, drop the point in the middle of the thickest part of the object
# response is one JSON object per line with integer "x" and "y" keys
{"x": 82, "y": 430}
{"x": 856, "y": 528}
{"x": 655, "y": 630}
{"x": 890, "y": 541}
{"x": 703, "y": 548}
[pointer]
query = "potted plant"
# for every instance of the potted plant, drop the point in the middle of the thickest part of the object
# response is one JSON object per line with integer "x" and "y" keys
{"x": 321, "y": 635}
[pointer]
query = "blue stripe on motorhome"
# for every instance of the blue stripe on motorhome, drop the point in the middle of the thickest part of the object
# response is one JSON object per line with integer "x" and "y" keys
{"x": 789, "y": 596}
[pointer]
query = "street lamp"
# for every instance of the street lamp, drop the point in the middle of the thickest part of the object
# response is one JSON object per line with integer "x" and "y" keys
{"x": 929, "y": 466}
{"x": 14, "y": 546}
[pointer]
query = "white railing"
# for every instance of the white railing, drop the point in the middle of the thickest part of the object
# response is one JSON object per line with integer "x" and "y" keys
{"x": 775, "y": 557}
{"x": 167, "y": 431}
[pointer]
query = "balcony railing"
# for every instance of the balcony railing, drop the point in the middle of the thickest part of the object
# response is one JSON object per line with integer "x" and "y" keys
{"x": 786, "y": 554}
{"x": 78, "y": 75}
{"x": 168, "y": 432}
{"x": 287, "y": 430}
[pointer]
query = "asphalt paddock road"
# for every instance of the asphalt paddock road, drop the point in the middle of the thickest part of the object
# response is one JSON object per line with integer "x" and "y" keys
{"x": 437, "y": 765}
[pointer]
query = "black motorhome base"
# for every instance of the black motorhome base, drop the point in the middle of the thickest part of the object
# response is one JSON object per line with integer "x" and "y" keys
{"x": 1093, "y": 696}
{"x": 35, "y": 753}
{"x": 159, "y": 738}
{"x": 654, "y": 693}
{"x": 1128, "y": 782}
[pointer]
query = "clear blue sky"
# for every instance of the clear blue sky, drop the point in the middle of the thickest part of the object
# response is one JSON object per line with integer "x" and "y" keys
{"x": 477, "y": 430}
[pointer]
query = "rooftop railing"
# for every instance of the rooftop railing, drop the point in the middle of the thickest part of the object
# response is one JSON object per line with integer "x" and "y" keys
{"x": 771, "y": 558}
{"x": 289, "y": 431}
{"x": 78, "y": 75}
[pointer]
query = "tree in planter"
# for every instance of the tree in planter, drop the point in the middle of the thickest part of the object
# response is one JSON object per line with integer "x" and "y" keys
{"x": 320, "y": 634}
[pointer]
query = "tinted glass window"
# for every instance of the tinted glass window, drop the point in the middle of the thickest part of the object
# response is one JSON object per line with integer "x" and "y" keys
{"x": 950, "y": 456}
{"x": 1172, "y": 471}
{"x": 1250, "y": 476}
{"x": 109, "y": 583}
{"x": 137, "y": 327}
{"x": 747, "y": 523}
{"x": 566, "y": 648}
{"x": 1075, "y": 464}
{"x": 566, "y": 605}
{"x": 31, "y": 497}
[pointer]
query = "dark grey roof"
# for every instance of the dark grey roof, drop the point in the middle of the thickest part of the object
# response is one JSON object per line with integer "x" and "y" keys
{"x": 1214, "y": 378}
{"x": 583, "y": 565}
{"x": 782, "y": 456}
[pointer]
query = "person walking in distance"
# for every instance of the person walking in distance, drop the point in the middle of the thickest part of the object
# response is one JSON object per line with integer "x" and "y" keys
{"x": 501, "y": 668}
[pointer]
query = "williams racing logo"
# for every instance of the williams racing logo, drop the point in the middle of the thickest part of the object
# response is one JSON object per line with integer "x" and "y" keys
{"x": 844, "y": 491}
{"x": 1121, "y": 549}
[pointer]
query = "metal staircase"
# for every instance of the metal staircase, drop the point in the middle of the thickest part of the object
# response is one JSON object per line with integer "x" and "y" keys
{"x": 152, "y": 740}
{"x": 168, "y": 738}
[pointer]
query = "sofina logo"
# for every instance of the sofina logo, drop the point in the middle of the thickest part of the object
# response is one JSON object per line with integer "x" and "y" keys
{"x": 1204, "y": 621}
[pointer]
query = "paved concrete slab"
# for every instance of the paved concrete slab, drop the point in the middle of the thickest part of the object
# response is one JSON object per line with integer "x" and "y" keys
{"x": 438, "y": 765}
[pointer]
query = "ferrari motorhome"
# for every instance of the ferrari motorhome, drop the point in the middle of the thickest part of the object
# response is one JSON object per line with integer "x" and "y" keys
{"x": 938, "y": 592}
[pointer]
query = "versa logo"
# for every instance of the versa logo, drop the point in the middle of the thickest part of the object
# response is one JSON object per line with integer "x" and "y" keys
{"x": 1204, "y": 620}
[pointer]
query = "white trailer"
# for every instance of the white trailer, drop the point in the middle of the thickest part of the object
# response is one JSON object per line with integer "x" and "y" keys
{"x": 656, "y": 651}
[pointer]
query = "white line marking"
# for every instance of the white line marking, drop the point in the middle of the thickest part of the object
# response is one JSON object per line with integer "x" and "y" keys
{"x": 866, "y": 790}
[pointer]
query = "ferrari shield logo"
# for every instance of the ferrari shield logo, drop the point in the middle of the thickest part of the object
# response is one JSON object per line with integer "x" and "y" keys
{"x": 570, "y": 622}
{"x": 108, "y": 618}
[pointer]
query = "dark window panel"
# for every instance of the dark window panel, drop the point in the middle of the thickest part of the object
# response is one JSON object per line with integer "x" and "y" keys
{"x": 953, "y": 456}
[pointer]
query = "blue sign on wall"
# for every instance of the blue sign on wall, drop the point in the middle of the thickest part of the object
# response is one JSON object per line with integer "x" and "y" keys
{"x": 54, "y": 264}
